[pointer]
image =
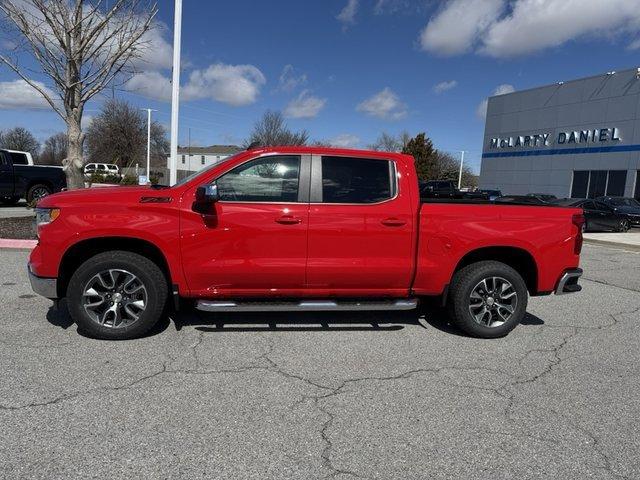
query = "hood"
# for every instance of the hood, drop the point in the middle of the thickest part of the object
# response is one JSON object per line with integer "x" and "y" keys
{"x": 119, "y": 194}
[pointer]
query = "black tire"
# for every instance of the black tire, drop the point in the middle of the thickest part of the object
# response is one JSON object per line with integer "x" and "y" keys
{"x": 624, "y": 226}
{"x": 9, "y": 200}
{"x": 37, "y": 191}
{"x": 466, "y": 280}
{"x": 147, "y": 273}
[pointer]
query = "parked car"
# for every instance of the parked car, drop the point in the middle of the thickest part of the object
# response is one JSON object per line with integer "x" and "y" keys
{"x": 298, "y": 228}
{"x": 629, "y": 208}
{"x": 543, "y": 197}
{"x": 33, "y": 182}
{"x": 519, "y": 200}
{"x": 492, "y": 194}
{"x": 439, "y": 189}
{"x": 102, "y": 169}
{"x": 598, "y": 216}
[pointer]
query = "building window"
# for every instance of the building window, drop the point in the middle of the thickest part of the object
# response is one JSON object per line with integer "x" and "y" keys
{"x": 597, "y": 183}
{"x": 202, "y": 159}
{"x": 183, "y": 159}
{"x": 637, "y": 194}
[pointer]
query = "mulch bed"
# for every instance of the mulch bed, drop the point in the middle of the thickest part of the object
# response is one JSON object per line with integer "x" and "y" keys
{"x": 18, "y": 228}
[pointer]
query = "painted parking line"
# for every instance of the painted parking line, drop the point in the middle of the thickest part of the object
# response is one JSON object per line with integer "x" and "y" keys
{"x": 17, "y": 244}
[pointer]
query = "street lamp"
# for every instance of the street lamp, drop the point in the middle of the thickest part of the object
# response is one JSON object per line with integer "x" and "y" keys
{"x": 175, "y": 93}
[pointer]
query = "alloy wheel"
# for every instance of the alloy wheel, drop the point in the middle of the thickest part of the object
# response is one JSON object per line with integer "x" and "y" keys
{"x": 493, "y": 301}
{"x": 114, "y": 298}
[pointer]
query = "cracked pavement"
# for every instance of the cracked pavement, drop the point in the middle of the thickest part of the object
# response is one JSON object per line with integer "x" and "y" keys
{"x": 347, "y": 396}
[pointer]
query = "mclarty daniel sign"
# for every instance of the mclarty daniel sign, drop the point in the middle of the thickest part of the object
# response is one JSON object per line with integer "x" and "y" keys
{"x": 596, "y": 135}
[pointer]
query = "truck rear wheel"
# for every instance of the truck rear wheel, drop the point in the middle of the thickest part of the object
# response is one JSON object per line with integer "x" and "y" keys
{"x": 487, "y": 299}
{"x": 37, "y": 191}
{"x": 117, "y": 295}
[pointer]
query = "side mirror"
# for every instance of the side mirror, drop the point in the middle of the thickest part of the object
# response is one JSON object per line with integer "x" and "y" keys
{"x": 206, "y": 196}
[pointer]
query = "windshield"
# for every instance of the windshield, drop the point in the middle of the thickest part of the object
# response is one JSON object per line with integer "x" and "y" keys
{"x": 204, "y": 170}
{"x": 624, "y": 202}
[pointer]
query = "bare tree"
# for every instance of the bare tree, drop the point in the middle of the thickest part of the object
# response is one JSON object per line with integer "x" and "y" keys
{"x": 119, "y": 135}
{"x": 391, "y": 143}
{"x": 81, "y": 46}
{"x": 19, "y": 138}
{"x": 54, "y": 150}
{"x": 272, "y": 130}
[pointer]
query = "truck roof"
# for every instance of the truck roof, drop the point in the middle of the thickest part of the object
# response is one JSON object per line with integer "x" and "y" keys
{"x": 311, "y": 150}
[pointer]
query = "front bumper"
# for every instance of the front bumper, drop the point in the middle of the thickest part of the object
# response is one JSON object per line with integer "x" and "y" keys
{"x": 47, "y": 287}
{"x": 568, "y": 282}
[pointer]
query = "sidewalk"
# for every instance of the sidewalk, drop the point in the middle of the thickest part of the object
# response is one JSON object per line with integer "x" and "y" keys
{"x": 19, "y": 210}
{"x": 628, "y": 241}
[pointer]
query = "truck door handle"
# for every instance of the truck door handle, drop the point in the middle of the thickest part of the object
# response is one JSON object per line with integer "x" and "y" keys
{"x": 393, "y": 222}
{"x": 288, "y": 220}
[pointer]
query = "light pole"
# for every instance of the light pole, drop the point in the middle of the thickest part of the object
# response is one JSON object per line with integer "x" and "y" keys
{"x": 175, "y": 92}
{"x": 149, "y": 110}
{"x": 460, "y": 173}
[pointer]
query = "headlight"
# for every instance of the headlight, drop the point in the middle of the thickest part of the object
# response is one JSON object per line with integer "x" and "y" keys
{"x": 46, "y": 215}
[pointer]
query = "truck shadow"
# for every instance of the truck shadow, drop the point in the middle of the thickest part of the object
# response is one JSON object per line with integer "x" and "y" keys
{"x": 425, "y": 317}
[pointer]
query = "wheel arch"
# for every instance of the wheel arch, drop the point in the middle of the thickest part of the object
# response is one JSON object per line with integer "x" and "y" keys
{"x": 517, "y": 258}
{"x": 81, "y": 251}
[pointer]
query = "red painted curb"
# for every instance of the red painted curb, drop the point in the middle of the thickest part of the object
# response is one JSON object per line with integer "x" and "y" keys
{"x": 19, "y": 244}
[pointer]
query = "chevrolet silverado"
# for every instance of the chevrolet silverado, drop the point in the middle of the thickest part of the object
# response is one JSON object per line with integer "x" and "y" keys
{"x": 298, "y": 228}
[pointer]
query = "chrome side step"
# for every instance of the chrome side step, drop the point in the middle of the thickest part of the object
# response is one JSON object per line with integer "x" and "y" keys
{"x": 305, "y": 305}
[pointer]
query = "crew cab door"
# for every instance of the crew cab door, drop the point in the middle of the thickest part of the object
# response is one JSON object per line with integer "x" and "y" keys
{"x": 361, "y": 228}
{"x": 254, "y": 241}
{"x": 6, "y": 175}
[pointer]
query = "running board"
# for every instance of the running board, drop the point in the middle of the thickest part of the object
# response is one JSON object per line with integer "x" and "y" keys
{"x": 305, "y": 305}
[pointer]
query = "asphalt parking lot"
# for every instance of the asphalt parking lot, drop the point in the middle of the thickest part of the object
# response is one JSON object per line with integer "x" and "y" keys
{"x": 380, "y": 396}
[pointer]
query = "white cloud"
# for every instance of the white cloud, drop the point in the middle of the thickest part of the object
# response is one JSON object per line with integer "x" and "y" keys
{"x": 345, "y": 140}
{"x": 501, "y": 28}
{"x": 305, "y": 105}
{"x": 384, "y": 104}
{"x": 535, "y": 25}
{"x": 347, "y": 15}
{"x": 19, "y": 95}
{"x": 151, "y": 85}
{"x": 235, "y": 85}
{"x": 155, "y": 52}
{"x": 290, "y": 80}
{"x": 503, "y": 89}
{"x": 456, "y": 26}
{"x": 444, "y": 86}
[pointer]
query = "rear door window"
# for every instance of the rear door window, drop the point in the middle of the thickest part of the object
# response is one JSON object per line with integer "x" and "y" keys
{"x": 357, "y": 180}
{"x": 19, "y": 158}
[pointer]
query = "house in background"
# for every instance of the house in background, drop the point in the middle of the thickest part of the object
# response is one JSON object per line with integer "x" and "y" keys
{"x": 192, "y": 159}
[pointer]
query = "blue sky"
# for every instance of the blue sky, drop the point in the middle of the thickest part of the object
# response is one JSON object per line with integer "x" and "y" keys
{"x": 346, "y": 70}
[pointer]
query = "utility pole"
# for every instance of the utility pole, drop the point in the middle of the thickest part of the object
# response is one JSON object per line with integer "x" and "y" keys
{"x": 460, "y": 173}
{"x": 175, "y": 92}
{"x": 148, "y": 172}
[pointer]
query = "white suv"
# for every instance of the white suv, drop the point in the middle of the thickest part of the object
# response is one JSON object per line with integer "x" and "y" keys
{"x": 102, "y": 169}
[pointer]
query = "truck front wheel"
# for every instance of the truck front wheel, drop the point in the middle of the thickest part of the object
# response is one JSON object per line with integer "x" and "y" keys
{"x": 487, "y": 299}
{"x": 117, "y": 295}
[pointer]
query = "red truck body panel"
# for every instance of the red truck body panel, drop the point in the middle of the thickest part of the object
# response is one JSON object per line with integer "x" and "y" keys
{"x": 395, "y": 248}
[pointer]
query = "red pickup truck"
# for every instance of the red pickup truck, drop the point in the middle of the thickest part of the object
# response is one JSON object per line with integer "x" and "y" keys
{"x": 305, "y": 229}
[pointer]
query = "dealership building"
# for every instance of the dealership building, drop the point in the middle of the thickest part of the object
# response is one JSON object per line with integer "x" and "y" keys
{"x": 579, "y": 138}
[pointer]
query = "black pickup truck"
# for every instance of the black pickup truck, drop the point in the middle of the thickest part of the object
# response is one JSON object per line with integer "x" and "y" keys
{"x": 32, "y": 182}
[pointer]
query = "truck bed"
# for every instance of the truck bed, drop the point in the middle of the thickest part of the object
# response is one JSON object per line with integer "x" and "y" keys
{"x": 450, "y": 231}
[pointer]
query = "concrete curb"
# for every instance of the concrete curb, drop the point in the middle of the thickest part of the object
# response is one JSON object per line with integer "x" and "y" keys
{"x": 606, "y": 243}
{"x": 15, "y": 244}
